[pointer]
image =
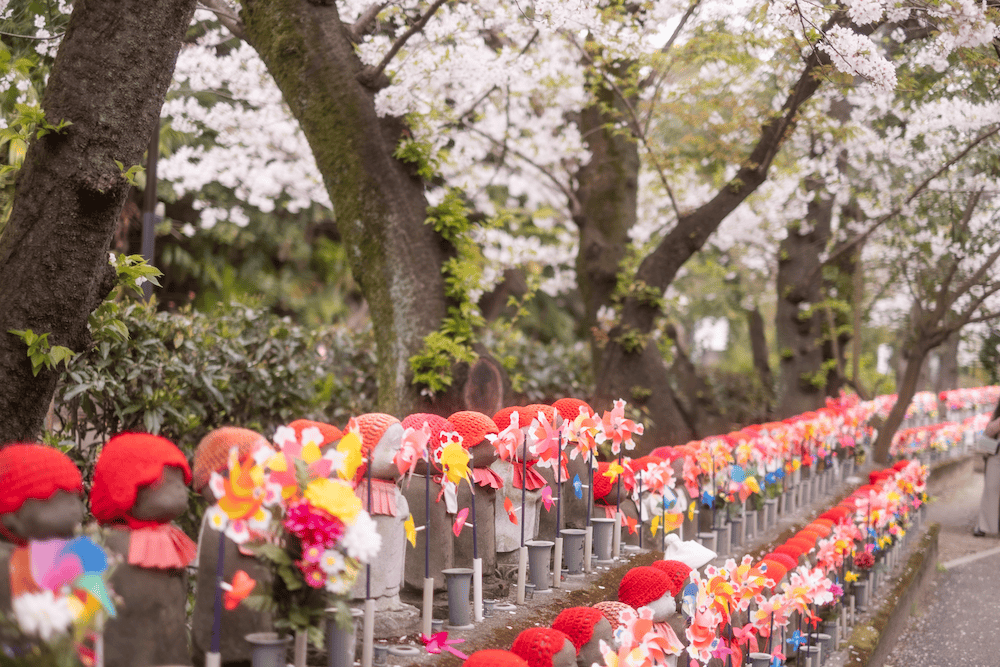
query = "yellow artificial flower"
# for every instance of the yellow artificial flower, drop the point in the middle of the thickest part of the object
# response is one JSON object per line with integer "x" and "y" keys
{"x": 334, "y": 497}
{"x": 613, "y": 471}
{"x": 672, "y": 522}
{"x": 455, "y": 460}
{"x": 851, "y": 576}
{"x": 654, "y": 524}
{"x": 691, "y": 509}
{"x": 411, "y": 531}
{"x": 350, "y": 447}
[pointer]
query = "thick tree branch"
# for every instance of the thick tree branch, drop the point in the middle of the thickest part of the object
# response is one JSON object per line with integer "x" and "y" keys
{"x": 226, "y": 16}
{"x": 360, "y": 27}
{"x": 370, "y": 74}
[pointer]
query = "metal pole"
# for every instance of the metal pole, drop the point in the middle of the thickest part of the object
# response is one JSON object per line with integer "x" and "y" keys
{"x": 149, "y": 218}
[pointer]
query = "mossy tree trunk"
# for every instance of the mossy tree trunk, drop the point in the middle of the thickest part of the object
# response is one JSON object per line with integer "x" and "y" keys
{"x": 378, "y": 201}
{"x": 109, "y": 80}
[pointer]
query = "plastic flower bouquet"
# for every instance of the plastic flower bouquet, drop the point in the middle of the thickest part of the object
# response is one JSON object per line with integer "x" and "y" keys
{"x": 295, "y": 509}
{"x": 60, "y": 602}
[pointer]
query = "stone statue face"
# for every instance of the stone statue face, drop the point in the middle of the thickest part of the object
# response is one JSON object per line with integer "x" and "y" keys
{"x": 383, "y": 453}
{"x": 58, "y": 516}
{"x": 164, "y": 500}
{"x": 566, "y": 657}
{"x": 591, "y": 651}
{"x": 663, "y": 608}
{"x": 483, "y": 454}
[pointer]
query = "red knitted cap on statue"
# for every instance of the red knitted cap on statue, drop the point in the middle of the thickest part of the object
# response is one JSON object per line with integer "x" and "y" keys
{"x": 791, "y": 550}
{"x": 212, "y": 454}
{"x": 494, "y": 658}
{"x": 578, "y": 624}
{"x": 126, "y": 463}
{"x": 29, "y": 471}
{"x": 642, "y": 585}
{"x": 876, "y": 476}
{"x": 373, "y": 426}
{"x": 502, "y": 418}
{"x": 786, "y": 560}
{"x": 530, "y": 412}
{"x": 538, "y": 645}
{"x": 569, "y": 408}
{"x": 438, "y": 425}
{"x": 472, "y": 426}
{"x": 676, "y": 571}
{"x": 602, "y": 484}
{"x": 900, "y": 464}
{"x": 776, "y": 571}
{"x": 820, "y": 529}
{"x": 330, "y": 432}
{"x": 612, "y": 610}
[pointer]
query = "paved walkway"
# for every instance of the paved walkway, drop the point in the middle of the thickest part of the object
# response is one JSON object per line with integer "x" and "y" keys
{"x": 957, "y": 622}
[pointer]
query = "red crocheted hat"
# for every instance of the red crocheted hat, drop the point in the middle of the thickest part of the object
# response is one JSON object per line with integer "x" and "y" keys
{"x": 820, "y": 529}
{"x": 126, "y": 463}
{"x": 786, "y": 560}
{"x": 212, "y": 454}
{"x": 900, "y": 464}
{"x": 793, "y": 551}
{"x": 611, "y": 610}
{"x": 642, "y": 585}
{"x": 502, "y": 418}
{"x": 569, "y": 408}
{"x": 602, "y": 484}
{"x": 776, "y": 570}
{"x": 578, "y": 624}
{"x": 472, "y": 426}
{"x": 876, "y": 476}
{"x": 330, "y": 432}
{"x": 29, "y": 471}
{"x": 373, "y": 426}
{"x": 494, "y": 658}
{"x": 538, "y": 645}
{"x": 807, "y": 536}
{"x": 530, "y": 412}
{"x": 676, "y": 571}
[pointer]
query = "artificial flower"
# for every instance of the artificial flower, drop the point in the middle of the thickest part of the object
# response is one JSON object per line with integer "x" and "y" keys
{"x": 362, "y": 540}
{"x": 335, "y": 497}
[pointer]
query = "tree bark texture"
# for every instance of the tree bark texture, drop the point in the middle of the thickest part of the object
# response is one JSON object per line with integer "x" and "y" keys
{"x": 758, "y": 346}
{"x": 109, "y": 79}
{"x": 378, "y": 201}
{"x": 907, "y": 388}
{"x": 607, "y": 195}
{"x": 799, "y": 322}
{"x": 630, "y": 350}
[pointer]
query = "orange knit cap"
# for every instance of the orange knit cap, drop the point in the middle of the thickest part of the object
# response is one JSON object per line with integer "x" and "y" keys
{"x": 439, "y": 426}
{"x": 612, "y": 610}
{"x": 676, "y": 571}
{"x": 538, "y": 645}
{"x": 602, "y": 484}
{"x": 494, "y": 658}
{"x": 819, "y": 528}
{"x": 786, "y": 560}
{"x": 642, "y": 585}
{"x": 128, "y": 462}
{"x": 502, "y": 418}
{"x": 373, "y": 426}
{"x": 29, "y": 471}
{"x": 530, "y": 412}
{"x": 329, "y": 432}
{"x": 569, "y": 408}
{"x": 472, "y": 426}
{"x": 791, "y": 550}
{"x": 212, "y": 454}
{"x": 578, "y": 624}
{"x": 776, "y": 570}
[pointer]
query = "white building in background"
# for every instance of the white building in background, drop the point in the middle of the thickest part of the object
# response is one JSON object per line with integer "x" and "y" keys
{"x": 711, "y": 338}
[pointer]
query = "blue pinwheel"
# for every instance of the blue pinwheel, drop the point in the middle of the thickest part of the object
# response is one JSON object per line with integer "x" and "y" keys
{"x": 707, "y": 499}
{"x": 577, "y": 487}
{"x": 796, "y": 640}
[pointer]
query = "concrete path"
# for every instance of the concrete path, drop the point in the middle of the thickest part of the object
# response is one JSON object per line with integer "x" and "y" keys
{"x": 957, "y": 622}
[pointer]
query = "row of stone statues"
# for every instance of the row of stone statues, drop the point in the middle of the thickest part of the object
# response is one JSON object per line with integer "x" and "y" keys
{"x": 140, "y": 485}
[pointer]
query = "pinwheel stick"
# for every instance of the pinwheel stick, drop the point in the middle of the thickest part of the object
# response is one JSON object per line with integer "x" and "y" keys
{"x": 663, "y": 522}
{"x": 524, "y": 493}
{"x": 475, "y": 542}
{"x": 217, "y": 619}
{"x": 368, "y": 566}
{"x": 559, "y": 488}
{"x": 590, "y": 487}
{"x": 639, "y": 480}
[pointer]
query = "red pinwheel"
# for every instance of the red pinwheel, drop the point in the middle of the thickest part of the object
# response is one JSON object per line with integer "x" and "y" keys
{"x": 439, "y": 642}
{"x": 237, "y": 591}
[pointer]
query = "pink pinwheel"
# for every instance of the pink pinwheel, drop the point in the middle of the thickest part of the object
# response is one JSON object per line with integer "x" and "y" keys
{"x": 412, "y": 449}
{"x": 745, "y": 637}
{"x": 439, "y": 642}
{"x": 509, "y": 441}
{"x": 460, "y": 521}
{"x": 547, "y": 498}
{"x": 619, "y": 430}
{"x": 583, "y": 430}
{"x": 546, "y": 446}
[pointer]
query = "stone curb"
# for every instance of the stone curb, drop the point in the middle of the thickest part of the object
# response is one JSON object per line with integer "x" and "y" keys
{"x": 871, "y": 642}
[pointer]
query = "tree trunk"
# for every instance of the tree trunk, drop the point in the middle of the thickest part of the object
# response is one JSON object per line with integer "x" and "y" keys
{"x": 109, "y": 79}
{"x": 379, "y": 202}
{"x": 907, "y": 388}
{"x": 758, "y": 346}
{"x": 948, "y": 373}
{"x": 799, "y": 321}
{"x": 607, "y": 201}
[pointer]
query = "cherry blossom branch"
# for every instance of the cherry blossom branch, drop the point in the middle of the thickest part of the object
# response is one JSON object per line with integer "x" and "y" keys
{"x": 661, "y": 76}
{"x": 484, "y": 96}
{"x": 861, "y": 238}
{"x": 358, "y": 29}
{"x": 964, "y": 225}
{"x": 225, "y": 16}
{"x": 369, "y": 74}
